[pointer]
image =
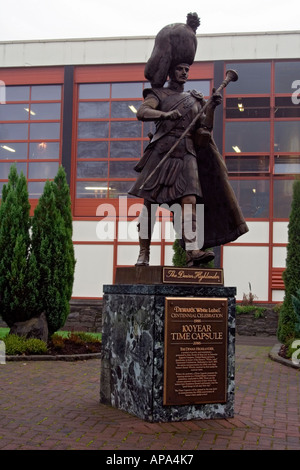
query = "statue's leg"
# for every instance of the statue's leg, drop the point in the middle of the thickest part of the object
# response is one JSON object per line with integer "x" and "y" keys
{"x": 145, "y": 228}
{"x": 194, "y": 256}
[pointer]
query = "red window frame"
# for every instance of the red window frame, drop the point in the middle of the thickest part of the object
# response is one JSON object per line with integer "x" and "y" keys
{"x": 86, "y": 207}
{"x": 275, "y": 274}
{"x": 30, "y": 77}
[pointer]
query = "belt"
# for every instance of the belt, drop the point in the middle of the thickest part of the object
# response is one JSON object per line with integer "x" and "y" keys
{"x": 178, "y": 133}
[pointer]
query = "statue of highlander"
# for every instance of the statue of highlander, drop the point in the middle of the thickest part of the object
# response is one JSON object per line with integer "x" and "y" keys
{"x": 181, "y": 165}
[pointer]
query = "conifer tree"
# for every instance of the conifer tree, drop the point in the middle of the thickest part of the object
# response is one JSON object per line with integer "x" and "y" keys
{"x": 18, "y": 268}
{"x": 179, "y": 255}
{"x": 63, "y": 204}
{"x": 53, "y": 248}
{"x": 287, "y": 325}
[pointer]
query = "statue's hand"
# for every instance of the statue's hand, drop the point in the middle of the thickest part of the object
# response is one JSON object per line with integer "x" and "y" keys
{"x": 172, "y": 115}
{"x": 216, "y": 98}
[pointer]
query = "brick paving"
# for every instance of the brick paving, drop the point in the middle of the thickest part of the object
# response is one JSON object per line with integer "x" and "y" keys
{"x": 55, "y": 406}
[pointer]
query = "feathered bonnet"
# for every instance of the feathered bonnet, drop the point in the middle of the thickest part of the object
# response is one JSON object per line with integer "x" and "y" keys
{"x": 174, "y": 44}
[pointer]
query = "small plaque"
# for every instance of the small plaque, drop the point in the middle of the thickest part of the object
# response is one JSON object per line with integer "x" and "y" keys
{"x": 195, "y": 362}
{"x": 174, "y": 275}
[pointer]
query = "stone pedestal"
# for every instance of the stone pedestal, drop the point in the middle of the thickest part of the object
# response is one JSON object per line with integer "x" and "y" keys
{"x": 133, "y": 349}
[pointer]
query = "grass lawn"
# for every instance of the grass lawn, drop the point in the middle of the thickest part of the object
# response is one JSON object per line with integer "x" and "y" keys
{"x": 5, "y": 331}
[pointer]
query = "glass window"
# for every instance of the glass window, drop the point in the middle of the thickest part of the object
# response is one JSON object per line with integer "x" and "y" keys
{"x": 254, "y": 78}
{"x": 5, "y": 168}
{"x": 44, "y": 150}
{"x": 284, "y": 164}
{"x": 127, "y": 90}
{"x": 14, "y": 112}
{"x": 119, "y": 188}
{"x": 17, "y": 138}
{"x": 203, "y": 86}
{"x": 121, "y": 169}
{"x": 93, "y": 130}
{"x": 285, "y": 74}
{"x": 92, "y": 149}
{"x": 248, "y": 164}
{"x": 125, "y": 149}
{"x": 13, "y": 131}
{"x": 35, "y": 189}
{"x": 247, "y": 137}
{"x": 45, "y": 111}
{"x": 45, "y": 92}
{"x": 253, "y": 197}
{"x": 94, "y": 91}
{"x": 17, "y": 93}
{"x": 92, "y": 169}
{"x": 93, "y": 110}
{"x": 121, "y": 129}
{"x": 91, "y": 189}
{"x": 283, "y": 195}
{"x": 245, "y": 108}
{"x": 286, "y": 108}
{"x": 42, "y": 170}
{"x": 11, "y": 150}
{"x": 44, "y": 130}
{"x": 124, "y": 109}
{"x": 287, "y": 136}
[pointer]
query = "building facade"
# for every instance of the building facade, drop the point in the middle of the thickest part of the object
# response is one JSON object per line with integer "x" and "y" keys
{"x": 73, "y": 102}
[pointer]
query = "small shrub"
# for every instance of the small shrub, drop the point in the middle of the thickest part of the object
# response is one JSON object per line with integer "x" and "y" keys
{"x": 17, "y": 345}
{"x": 289, "y": 347}
{"x": 75, "y": 338}
{"x": 258, "y": 312}
{"x": 57, "y": 341}
{"x": 248, "y": 299}
{"x": 179, "y": 255}
{"x": 35, "y": 346}
{"x": 296, "y": 305}
{"x": 88, "y": 337}
{"x": 14, "y": 345}
{"x": 277, "y": 308}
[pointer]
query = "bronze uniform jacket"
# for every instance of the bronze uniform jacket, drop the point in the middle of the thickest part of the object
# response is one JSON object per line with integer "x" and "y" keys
{"x": 223, "y": 219}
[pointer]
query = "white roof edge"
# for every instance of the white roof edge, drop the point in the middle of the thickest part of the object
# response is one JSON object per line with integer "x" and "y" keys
{"x": 137, "y": 49}
{"x": 122, "y": 38}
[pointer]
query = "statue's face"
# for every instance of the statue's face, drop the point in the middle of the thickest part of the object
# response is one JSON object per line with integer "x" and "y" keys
{"x": 181, "y": 73}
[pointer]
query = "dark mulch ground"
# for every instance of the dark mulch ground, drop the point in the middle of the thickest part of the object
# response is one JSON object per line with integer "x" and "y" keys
{"x": 70, "y": 348}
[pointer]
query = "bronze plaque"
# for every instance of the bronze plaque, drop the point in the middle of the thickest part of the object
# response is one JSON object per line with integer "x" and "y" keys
{"x": 205, "y": 276}
{"x": 195, "y": 363}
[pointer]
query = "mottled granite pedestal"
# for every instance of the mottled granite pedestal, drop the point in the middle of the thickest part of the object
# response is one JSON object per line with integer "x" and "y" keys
{"x": 132, "y": 365}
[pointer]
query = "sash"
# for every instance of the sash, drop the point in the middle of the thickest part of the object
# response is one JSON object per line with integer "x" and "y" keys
{"x": 184, "y": 105}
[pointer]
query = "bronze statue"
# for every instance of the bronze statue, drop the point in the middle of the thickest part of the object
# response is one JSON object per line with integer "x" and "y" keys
{"x": 181, "y": 165}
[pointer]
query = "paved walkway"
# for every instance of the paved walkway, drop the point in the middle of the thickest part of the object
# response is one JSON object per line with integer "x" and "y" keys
{"x": 55, "y": 406}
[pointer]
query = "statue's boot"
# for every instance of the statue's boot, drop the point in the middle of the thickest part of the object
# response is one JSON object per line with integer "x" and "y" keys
{"x": 144, "y": 254}
{"x": 194, "y": 256}
{"x": 145, "y": 228}
{"x": 197, "y": 257}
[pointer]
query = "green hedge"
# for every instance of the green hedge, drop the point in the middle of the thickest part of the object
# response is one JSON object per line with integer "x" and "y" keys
{"x": 17, "y": 345}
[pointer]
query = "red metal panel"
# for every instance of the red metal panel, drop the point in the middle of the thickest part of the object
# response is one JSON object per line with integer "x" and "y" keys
{"x": 32, "y": 75}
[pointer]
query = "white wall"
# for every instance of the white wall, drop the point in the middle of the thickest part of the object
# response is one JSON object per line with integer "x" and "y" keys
{"x": 247, "y": 264}
{"x": 211, "y": 47}
{"x": 280, "y": 235}
{"x": 242, "y": 264}
{"x": 94, "y": 268}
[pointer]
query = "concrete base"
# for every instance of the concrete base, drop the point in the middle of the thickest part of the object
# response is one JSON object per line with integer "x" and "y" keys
{"x": 132, "y": 364}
